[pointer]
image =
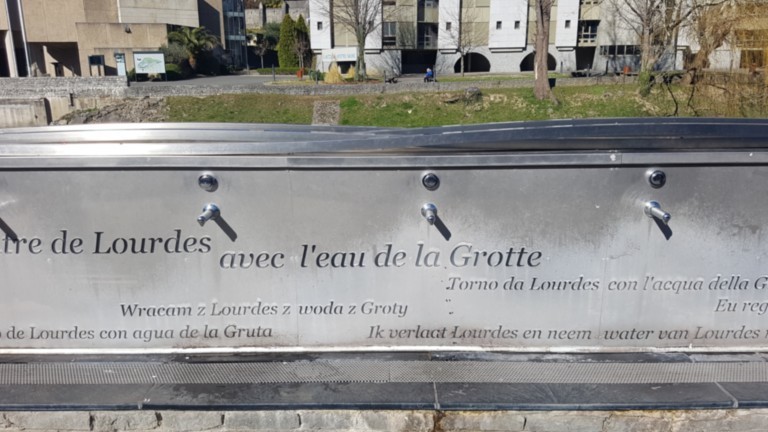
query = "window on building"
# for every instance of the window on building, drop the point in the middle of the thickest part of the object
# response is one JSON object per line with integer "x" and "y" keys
{"x": 517, "y": 25}
{"x": 430, "y": 3}
{"x": 448, "y": 25}
{"x": 588, "y": 31}
{"x": 751, "y": 59}
{"x": 319, "y": 25}
{"x": 389, "y": 2}
{"x": 498, "y": 25}
{"x": 427, "y": 35}
{"x": 567, "y": 23}
{"x": 389, "y": 33}
{"x": 619, "y": 50}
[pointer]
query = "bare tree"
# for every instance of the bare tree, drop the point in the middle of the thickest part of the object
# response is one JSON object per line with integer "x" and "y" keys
{"x": 657, "y": 24}
{"x": 264, "y": 43}
{"x": 711, "y": 28}
{"x": 541, "y": 88}
{"x": 464, "y": 34}
{"x": 361, "y": 17}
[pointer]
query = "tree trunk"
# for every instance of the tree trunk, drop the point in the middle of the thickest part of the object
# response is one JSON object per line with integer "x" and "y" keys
{"x": 541, "y": 88}
{"x": 461, "y": 59}
{"x": 360, "y": 69}
{"x": 301, "y": 67}
{"x": 699, "y": 62}
{"x": 646, "y": 50}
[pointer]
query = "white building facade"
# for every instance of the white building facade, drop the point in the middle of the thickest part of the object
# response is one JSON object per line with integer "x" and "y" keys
{"x": 495, "y": 36}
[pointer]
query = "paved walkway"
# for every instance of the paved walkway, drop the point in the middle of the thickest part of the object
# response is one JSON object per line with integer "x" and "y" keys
{"x": 239, "y": 80}
{"x": 216, "y": 81}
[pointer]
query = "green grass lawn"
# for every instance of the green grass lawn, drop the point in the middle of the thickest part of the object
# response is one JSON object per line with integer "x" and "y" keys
{"x": 436, "y": 109}
{"x": 497, "y": 105}
{"x": 246, "y": 108}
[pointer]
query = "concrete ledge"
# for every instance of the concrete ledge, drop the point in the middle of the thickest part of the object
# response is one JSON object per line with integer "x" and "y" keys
{"x": 24, "y": 112}
{"x": 374, "y": 421}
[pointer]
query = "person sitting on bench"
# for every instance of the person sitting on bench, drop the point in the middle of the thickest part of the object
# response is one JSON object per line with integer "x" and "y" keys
{"x": 393, "y": 78}
{"x": 430, "y": 76}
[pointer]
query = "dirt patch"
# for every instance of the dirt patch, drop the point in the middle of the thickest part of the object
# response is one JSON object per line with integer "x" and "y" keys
{"x": 326, "y": 113}
{"x": 144, "y": 110}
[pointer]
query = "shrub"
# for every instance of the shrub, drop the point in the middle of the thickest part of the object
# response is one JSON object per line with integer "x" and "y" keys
{"x": 174, "y": 53}
{"x": 645, "y": 79}
{"x": 334, "y": 76}
{"x": 132, "y": 76}
{"x": 173, "y": 72}
{"x": 210, "y": 63}
{"x": 316, "y": 75}
{"x": 279, "y": 71}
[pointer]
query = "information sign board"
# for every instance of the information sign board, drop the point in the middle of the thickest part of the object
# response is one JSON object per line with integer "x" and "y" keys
{"x": 149, "y": 62}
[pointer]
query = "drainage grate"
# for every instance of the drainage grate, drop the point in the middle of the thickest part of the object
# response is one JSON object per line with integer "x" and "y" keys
{"x": 341, "y": 371}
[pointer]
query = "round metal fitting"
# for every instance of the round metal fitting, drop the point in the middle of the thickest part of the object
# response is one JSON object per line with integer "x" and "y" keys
{"x": 657, "y": 178}
{"x": 208, "y": 182}
{"x": 431, "y": 181}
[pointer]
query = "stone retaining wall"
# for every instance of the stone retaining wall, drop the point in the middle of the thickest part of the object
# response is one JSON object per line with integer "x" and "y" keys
{"x": 117, "y": 87}
{"x": 358, "y": 89}
{"x": 48, "y": 87}
{"x": 410, "y": 421}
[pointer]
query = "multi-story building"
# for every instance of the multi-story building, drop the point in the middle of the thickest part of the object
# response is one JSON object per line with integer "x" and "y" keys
{"x": 259, "y": 17}
{"x": 491, "y": 35}
{"x": 235, "y": 40}
{"x": 64, "y": 37}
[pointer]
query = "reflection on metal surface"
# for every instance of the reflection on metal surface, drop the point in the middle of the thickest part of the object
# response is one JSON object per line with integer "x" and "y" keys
{"x": 430, "y": 181}
{"x": 210, "y": 212}
{"x": 653, "y": 210}
{"x": 657, "y": 178}
{"x": 429, "y": 211}
{"x": 538, "y": 244}
{"x": 208, "y": 182}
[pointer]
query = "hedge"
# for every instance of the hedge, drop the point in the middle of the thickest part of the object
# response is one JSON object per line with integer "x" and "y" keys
{"x": 281, "y": 71}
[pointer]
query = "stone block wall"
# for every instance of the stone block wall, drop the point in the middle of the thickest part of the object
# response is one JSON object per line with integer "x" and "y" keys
{"x": 45, "y": 87}
{"x": 374, "y": 421}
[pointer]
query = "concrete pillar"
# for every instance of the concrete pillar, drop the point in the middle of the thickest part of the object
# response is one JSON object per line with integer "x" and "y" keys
{"x": 11, "y": 55}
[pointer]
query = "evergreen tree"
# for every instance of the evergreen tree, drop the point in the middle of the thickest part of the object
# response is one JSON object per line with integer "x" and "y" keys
{"x": 286, "y": 47}
{"x": 195, "y": 41}
{"x": 302, "y": 41}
